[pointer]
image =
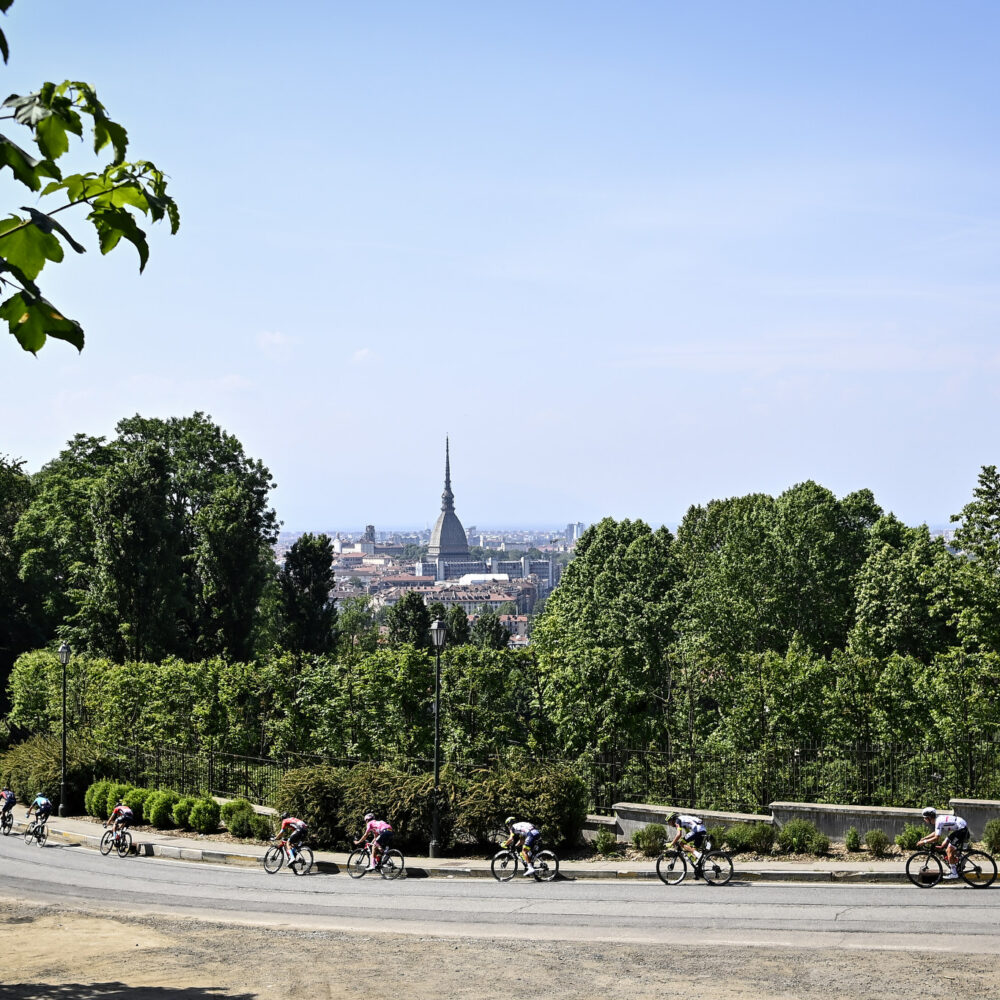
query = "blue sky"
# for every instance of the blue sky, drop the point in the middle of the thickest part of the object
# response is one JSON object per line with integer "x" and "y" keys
{"x": 630, "y": 256}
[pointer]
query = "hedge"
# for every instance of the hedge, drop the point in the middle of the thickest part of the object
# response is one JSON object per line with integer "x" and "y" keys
{"x": 35, "y": 768}
{"x": 204, "y": 816}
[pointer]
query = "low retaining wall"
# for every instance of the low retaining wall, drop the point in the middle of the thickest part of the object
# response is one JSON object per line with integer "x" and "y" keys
{"x": 632, "y": 816}
{"x": 976, "y": 812}
{"x": 836, "y": 820}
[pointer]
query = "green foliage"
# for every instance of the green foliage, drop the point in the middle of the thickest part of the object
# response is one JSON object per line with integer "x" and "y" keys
{"x": 650, "y": 839}
{"x": 236, "y": 815}
{"x": 606, "y": 843}
{"x": 34, "y": 767}
{"x": 305, "y": 582}
{"x": 907, "y": 839}
{"x": 852, "y": 840}
{"x": 204, "y": 816}
{"x": 798, "y": 836}
{"x": 488, "y": 631}
{"x": 877, "y": 841}
{"x": 261, "y": 827}
{"x": 409, "y": 622}
{"x": 182, "y": 810}
{"x": 95, "y": 801}
{"x": 316, "y": 796}
{"x": 117, "y": 791}
{"x": 160, "y": 809}
{"x": 991, "y": 836}
{"x": 748, "y": 838}
{"x": 135, "y": 799}
{"x": 114, "y": 195}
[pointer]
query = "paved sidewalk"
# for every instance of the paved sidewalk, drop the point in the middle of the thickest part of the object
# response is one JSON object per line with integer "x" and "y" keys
{"x": 192, "y": 847}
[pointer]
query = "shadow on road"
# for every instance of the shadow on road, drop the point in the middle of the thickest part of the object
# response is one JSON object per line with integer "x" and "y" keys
{"x": 113, "y": 991}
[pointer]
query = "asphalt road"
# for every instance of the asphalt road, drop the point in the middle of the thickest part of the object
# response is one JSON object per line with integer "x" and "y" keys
{"x": 950, "y": 918}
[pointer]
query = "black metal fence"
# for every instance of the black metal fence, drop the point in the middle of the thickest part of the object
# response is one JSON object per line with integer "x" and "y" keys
{"x": 745, "y": 781}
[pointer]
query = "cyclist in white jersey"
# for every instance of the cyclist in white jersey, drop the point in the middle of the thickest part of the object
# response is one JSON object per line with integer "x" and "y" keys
{"x": 691, "y": 829}
{"x": 950, "y": 828}
{"x": 526, "y": 835}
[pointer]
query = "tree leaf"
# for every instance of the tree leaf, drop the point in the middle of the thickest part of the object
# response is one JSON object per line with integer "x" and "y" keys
{"x": 31, "y": 321}
{"x": 27, "y": 246}
{"x": 114, "y": 223}
{"x": 46, "y": 223}
{"x": 24, "y": 166}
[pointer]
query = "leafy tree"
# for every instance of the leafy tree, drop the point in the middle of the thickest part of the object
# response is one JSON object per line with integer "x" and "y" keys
{"x": 114, "y": 195}
{"x": 18, "y": 627}
{"x": 977, "y": 580}
{"x": 458, "y": 625}
{"x": 306, "y": 582}
{"x": 488, "y": 631}
{"x": 357, "y": 628}
{"x": 409, "y": 622}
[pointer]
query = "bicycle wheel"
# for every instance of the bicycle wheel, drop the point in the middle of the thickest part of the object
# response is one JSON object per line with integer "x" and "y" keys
{"x": 273, "y": 859}
{"x": 546, "y": 866}
{"x": 978, "y": 869}
{"x": 357, "y": 863}
{"x": 302, "y": 865}
{"x": 29, "y": 832}
{"x": 504, "y": 865}
{"x": 6, "y": 823}
{"x": 124, "y": 844}
{"x": 716, "y": 867}
{"x": 107, "y": 842}
{"x": 671, "y": 867}
{"x": 392, "y": 864}
{"x": 924, "y": 869}
{"x": 41, "y": 834}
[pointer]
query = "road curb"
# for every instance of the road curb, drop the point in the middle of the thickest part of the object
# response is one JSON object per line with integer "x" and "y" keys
{"x": 421, "y": 871}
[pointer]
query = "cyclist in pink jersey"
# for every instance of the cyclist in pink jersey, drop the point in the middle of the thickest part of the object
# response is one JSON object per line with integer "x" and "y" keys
{"x": 293, "y": 832}
{"x": 380, "y": 833}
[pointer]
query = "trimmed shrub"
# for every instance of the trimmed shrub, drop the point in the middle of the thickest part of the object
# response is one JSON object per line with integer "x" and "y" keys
{"x": 160, "y": 809}
{"x": 716, "y": 835}
{"x": 204, "y": 816}
{"x": 907, "y": 840}
{"x": 96, "y": 800}
{"x": 182, "y": 810}
{"x": 116, "y": 791}
{"x": 316, "y": 796}
{"x": 261, "y": 827}
{"x": 135, "y": 799}
{"x": 650, "y": 839}
{"x": 852, "y": 839}
{"x": 35, "y": 767}
{"x": 819, "y": 844}
{"x": 605, "y": 842}
{"x": 877, "y": 841}
{"x": 748, "y": 838}
{"x": 236, "y": 817}
{"x": 797, "y": 836}
{"x": 991, "y": 836}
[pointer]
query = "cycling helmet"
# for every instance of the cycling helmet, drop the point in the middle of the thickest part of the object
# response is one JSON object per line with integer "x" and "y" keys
{"x": 119, "y": 803}
{"x": 929, "y": 812}
{"x": 671, "y": 818}
{"x": 285, "y": 816}
{"x": 369, "y": 817}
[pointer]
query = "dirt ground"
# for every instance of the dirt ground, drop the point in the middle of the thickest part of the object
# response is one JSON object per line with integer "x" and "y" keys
{"x": 74, "y": 954}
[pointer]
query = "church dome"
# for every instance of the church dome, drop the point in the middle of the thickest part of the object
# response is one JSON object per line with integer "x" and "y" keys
{"x": 448, "y": 540}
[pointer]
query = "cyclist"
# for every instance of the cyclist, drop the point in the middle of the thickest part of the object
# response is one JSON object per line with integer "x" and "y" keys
{"x": 526, "y": 835}
{"x": 293, "y": 831}
{"x": 380, "y": 833}
{"x": 42, "y": 807}
{"x": 7, "y": 801}
{"x": 953, "y": 829}
{"x": 121, "y": 818}
{"x": 692, "y": 830}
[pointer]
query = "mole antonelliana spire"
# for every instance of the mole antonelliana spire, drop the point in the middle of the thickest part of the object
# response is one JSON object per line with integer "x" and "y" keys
{"x": 448, "y": 540}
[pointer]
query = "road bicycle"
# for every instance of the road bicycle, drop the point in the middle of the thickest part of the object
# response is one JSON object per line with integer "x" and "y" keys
{"x": 390, "y": 864}
{"x": 715, "y": 867}
{"x": 6, "y": 821}
{"x": 505, "y": 865}
{"x": 926, "y": 867}
{"x": 116, "y": 840}
{"x": 277, "y": 855}
{"x": 37, "y": 832}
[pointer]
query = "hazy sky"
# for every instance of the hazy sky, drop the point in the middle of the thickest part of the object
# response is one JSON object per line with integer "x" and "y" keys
{"x": 630, "y": 256}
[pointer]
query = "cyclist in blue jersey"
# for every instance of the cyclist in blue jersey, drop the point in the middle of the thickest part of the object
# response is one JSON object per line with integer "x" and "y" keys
{"x": 42, "y": 807}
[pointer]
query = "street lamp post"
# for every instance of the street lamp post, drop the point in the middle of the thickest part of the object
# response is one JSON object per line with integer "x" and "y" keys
{"x": 64, "y": 654}
{"x": 439, "y": 633}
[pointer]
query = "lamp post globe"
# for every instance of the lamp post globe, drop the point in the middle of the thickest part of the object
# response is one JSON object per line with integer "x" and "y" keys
{"x": 439, "y": 633}
{"x": 64, "y": 654}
